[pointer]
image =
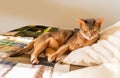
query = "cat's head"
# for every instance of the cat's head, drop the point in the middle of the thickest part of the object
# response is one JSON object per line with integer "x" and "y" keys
{"x": 90, "y": 28}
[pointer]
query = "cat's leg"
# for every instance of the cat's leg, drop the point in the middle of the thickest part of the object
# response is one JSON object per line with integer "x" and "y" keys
{"x": 52, "y": 48}
{"x": 58, "y": 53}
{"x": 37, "y": 50}
{"x": 47, "y": 44}
{"x": 49, "y": 51}
{"x": 27, "y": 48}
{"x": 23, "y": 50}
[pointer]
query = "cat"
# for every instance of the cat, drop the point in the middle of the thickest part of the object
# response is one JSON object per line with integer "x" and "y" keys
{"x": 57, "y": 43}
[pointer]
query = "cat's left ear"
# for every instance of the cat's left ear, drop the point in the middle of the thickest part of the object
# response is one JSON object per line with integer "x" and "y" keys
{"x": 81, "y": 22}
{"x": 99, "y": 21}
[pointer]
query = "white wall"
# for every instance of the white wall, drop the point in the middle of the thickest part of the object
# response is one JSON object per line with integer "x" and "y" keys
{"x": 62, "y": 13}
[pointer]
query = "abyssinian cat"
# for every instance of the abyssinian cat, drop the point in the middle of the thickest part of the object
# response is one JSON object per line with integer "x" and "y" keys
{"x": 55, "y": 44}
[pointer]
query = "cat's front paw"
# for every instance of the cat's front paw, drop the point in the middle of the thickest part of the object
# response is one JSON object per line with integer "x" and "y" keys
{"x": 34, "y": 60}
{"x": 52, "y": 58}
{"x": 58, "y": 60}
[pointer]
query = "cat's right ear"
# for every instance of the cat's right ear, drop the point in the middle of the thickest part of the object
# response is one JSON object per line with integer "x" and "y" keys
{"x": 81, "y": 22}
{"x": 99, "y": 21}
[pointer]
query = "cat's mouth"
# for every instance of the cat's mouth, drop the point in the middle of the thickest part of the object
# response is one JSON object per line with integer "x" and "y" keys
{"x": 90, "y": 37}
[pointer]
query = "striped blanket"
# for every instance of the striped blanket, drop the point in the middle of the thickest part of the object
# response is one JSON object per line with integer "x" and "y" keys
{"x": 20, "y": 70}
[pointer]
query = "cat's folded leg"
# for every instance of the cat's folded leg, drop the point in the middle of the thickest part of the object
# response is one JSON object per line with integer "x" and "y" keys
{"x": 49, "y": 51}
{"x": 50, "y": 45}
{"x": 58, "y": 53}
{"x": 37, "y": 50}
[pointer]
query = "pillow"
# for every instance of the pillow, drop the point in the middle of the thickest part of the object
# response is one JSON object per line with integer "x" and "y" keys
{"x": 107, "y": 49}
{"x": 106, "y": 70}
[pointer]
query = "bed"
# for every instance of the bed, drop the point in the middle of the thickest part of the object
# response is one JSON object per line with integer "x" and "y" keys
{"x": 21, "y": 67}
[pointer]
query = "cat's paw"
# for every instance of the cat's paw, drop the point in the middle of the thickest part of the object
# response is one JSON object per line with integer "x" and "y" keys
{"x": 34, "y": 60}
{"x": 52, "y": 58}
{"x": 58, "y": 60}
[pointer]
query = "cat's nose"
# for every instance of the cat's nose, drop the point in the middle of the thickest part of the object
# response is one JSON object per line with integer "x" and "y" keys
{"x": 89, "y": 34}
{"x": 90, "y": 38}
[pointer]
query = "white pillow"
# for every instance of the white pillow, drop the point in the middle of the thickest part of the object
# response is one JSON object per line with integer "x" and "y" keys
{"x": 107, "y": 49}
{"x": 106, "y": 70}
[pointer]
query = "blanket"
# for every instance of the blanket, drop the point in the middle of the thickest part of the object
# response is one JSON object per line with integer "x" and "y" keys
{"x": 20, "y": 70}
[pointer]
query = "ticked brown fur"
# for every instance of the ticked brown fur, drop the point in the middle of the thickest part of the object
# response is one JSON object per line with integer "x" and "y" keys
{"x": 59, "y": 42}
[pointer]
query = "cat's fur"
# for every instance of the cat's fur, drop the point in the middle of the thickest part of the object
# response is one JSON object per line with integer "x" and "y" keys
{"x": 59, "y": 42}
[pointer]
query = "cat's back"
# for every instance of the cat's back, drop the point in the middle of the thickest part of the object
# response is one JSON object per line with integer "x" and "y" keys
{"x": 63, "y": 35}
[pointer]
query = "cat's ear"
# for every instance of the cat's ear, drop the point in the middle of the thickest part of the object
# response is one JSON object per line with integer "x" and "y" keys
{"x": 81, "y": 22}
{"x": 99, "y": 21}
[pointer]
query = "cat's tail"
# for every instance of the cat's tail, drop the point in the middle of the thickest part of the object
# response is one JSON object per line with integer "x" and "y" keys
{"x": 22, "y": 51}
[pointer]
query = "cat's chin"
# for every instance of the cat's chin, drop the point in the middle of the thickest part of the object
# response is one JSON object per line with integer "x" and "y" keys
{"x": 90, "y": 38}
